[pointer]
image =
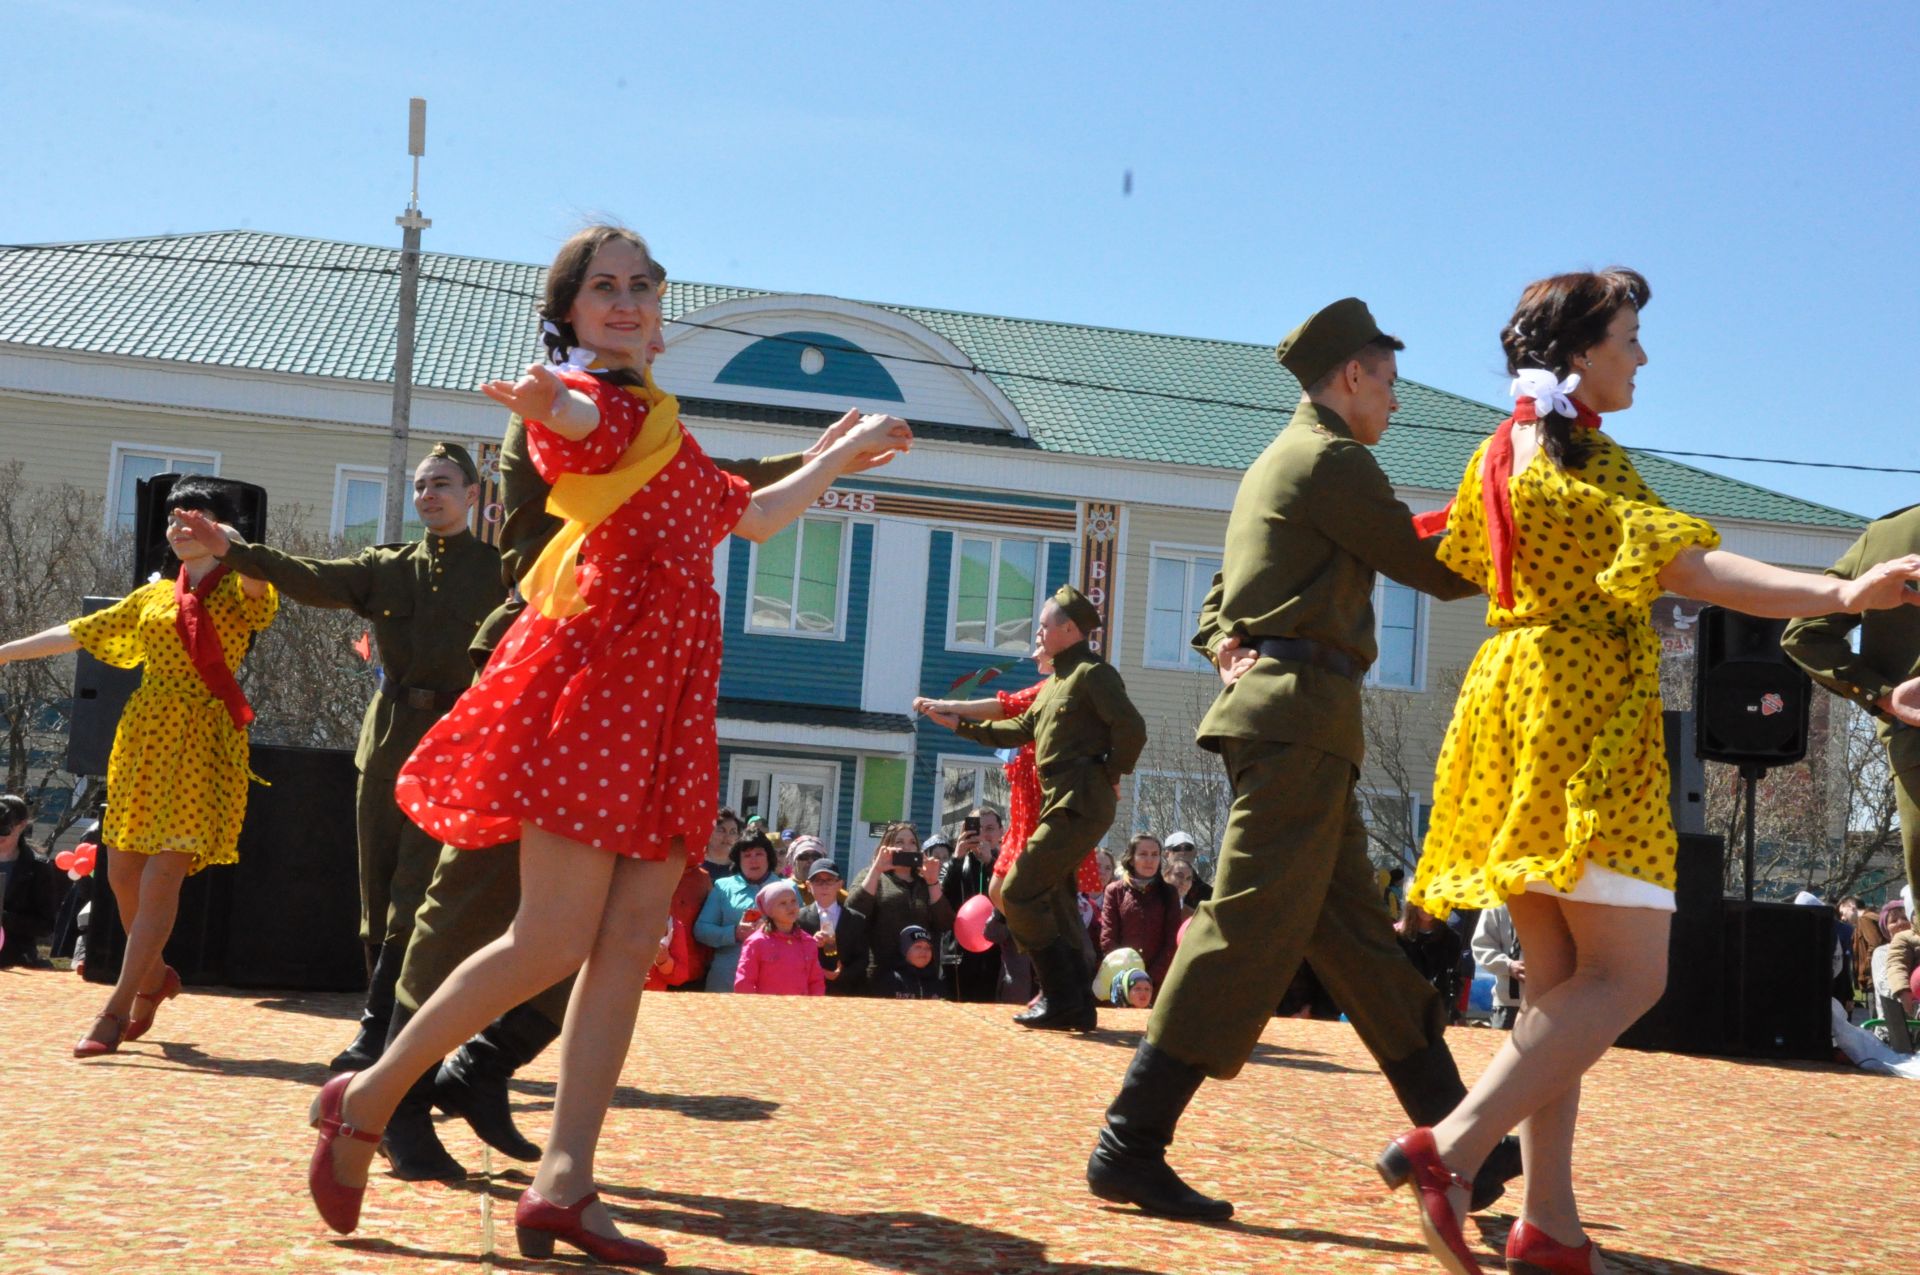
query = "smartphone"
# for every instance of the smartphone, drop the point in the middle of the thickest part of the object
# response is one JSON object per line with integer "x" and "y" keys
{"x": 970, "y": 824}
{"x": 908, "y": 858}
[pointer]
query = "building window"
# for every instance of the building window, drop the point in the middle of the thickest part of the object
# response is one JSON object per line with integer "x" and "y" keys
{"x": 996, "y": 593}
{"x": 132, "y": 465}
{"x": 1399, "y": 623}
{"x": 966, "y": 782}
{"x": 796, "y": 579}
{"x": 1197, "y": 805}
{"x": 1177, "y": 583}
{"x": 360, "y": 502}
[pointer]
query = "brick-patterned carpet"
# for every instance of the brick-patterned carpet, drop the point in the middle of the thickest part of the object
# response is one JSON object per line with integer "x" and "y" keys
{"x": 769, "y": 1135}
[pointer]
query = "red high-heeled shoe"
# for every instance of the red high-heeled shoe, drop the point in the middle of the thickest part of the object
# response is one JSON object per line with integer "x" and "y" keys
{"x": 339, "y": 1205}
{"x": 169, "y": 988}
{"x": 1531, "y": 1251}
{"x": 539, "y": 1222}
{"x": 88, "y": 1047}
{"x": 1412, "y": 1157}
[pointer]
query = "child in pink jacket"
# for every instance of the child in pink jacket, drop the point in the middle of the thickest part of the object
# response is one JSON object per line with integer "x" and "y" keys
{"x": 779, "y": 958}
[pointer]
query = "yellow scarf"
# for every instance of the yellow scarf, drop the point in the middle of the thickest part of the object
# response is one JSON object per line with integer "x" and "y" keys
{"x": 585, "y": 501}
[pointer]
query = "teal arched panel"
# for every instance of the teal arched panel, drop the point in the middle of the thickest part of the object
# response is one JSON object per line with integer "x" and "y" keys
{"x": 815, "y": 362}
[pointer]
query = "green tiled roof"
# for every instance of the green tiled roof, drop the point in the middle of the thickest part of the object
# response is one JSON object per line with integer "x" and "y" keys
{"x": 317, "y": 307}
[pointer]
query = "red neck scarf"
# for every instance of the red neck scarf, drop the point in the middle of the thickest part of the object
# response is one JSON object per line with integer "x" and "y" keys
{"x": 195, "y": 626}
{"x": 1496, "y": 470}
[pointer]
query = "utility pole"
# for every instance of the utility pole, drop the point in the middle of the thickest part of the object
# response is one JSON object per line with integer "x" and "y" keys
{"x": 399, "y": 482}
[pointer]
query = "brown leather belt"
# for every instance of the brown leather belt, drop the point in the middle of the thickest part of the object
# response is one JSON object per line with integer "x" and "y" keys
{"x": 419, "y": 696}
{"x": 1308, "y": 651}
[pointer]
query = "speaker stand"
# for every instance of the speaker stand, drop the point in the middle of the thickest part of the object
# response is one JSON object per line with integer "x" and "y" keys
{"x": 1751, "y": 773}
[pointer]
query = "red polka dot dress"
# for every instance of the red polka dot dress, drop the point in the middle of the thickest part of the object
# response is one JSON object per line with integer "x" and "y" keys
{"x": 599, "y": 727}
{"x": 1553, "y": 773}
{"x": 1023, "y": 797}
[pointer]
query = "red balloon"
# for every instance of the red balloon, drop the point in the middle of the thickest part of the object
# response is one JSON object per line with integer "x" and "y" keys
{"x": 970, "y": 923}
{"x": 65, "y": 860}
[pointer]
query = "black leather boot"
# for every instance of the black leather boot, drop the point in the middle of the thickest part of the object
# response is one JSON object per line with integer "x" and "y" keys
{"x": 1429, "y": 1087}
{"x": 472, "y": 1082}
{"x": 375, "y": 1015}
{"x": 1066, "y": 997}
{"x": 410, "y": 1143}
{"x": 1129, "y": 1162}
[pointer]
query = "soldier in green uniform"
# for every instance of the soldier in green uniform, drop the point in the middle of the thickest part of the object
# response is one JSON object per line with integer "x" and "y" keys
{"x": 1289, "y": 625}
{"x": 474, "y": 893}
{"x": 1883, "y": 676}
{"x": 424, "y": 600}
{"x": 1086, "y": 735}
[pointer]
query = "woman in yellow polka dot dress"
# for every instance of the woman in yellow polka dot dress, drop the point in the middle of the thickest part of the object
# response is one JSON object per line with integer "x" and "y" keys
{"x": 177, "y": 777}
{"x": 1551, "y": 791}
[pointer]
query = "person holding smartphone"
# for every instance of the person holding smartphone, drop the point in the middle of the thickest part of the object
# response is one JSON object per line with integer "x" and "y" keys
{"x": 902, "y": 888}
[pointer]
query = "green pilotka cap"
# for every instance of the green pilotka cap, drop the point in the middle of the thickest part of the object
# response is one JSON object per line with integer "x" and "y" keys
{"x": 1327, "y": 339}
{"x": 459, "y": 456}
{"x": 1076, "y": 607}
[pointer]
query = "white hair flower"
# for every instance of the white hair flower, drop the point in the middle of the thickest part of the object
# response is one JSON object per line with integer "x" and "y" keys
{"x": 576, "y": 359}
{"x": 1548, "y": 395}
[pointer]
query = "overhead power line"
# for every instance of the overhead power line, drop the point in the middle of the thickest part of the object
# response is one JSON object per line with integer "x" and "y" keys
{"x": 972, "y": 368}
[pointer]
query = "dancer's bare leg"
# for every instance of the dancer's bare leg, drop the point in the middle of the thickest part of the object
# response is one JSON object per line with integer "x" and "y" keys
{"x": 1546, "y": 1136}
{"x": 146, "y": 889}
{"x": 599, "y": 1027}
{"x": 563, "y": 893}
{"x": 1620, "y": 970}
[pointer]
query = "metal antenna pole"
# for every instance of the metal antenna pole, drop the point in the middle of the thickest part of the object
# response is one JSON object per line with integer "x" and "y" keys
{"x": 411, "y": 224}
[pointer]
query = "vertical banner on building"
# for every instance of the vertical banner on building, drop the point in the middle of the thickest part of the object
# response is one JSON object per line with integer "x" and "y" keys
{"x": 1099, "y": 554}
{"x": 492, "y": 510}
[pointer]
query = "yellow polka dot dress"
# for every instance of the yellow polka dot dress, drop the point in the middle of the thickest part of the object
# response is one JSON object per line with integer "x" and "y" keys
{"x": 1555, "y": 757}
{"x": 177, "y": 777}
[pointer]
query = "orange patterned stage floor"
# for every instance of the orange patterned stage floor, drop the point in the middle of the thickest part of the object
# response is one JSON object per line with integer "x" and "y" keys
{"x": 771, "y": 1135}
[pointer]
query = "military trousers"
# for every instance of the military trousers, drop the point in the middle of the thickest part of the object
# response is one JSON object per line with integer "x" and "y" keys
{"x": 1037, "y": 896}
{"x": 469, "y": 903}
{"x": 1906, "y": 795}
{"x": 1293, "y": 884}
{"x": 396, "y": 859}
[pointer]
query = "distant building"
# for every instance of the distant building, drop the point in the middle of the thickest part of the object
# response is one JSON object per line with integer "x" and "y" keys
{"x": 1048, "y": 452}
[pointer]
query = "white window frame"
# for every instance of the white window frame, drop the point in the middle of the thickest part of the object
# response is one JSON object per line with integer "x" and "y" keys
{"x": 168, "y": 454}
{"x": 969, "y": 761}
{"x": 1419, "y": 682}
{"x": 1190, "y": 660}
{"x": 1040, "y": 594}
{"x": 1420, "y": 804}
{"x": 337, "y": 523}
{"x": 1213, "y": 779}
{"x": 743, "y": 766}
{"x": 842, "y": 581}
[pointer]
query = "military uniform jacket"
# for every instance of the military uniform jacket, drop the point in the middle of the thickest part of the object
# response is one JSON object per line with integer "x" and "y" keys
{"x": 1085, "y": 732}
{"x": 423, "y": 600}
{"x": 1889, "y": 651}
{"x": 1314, "y": 519}
{"x": 528, "y": 526}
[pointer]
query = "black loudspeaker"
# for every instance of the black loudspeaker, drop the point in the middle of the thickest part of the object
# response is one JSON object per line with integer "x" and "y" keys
{"x": 99, "y": 694}
{"x": 288, "y": 914}
{"x": 1751, "y": 702}
{"x": 1691, "y": 1016}
{"x": 1785, "y": 952}
{"x": 150, "y": 551}
{"x": 1689, "y": 798}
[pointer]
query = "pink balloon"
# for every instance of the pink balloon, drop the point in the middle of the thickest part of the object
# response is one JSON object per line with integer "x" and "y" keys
{"x": 970, "y": 923}
{"x": 65, "y": 860}
{"x": 1180, "y": 935}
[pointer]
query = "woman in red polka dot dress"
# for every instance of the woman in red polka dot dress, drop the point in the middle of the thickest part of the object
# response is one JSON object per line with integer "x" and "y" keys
{"x": 590, "y": 736}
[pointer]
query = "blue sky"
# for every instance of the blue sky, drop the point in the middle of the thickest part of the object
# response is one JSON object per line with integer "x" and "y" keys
{"x": 1756, "y": 161}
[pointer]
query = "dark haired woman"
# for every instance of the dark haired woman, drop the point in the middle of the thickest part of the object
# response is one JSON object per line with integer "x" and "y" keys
{"x": 722, "y": 924}
{"x": 590, "y": 736}
{"x": 27, "y": 886}
{"x": 1140, "y": 909}
{"x": 1551, "y": 791}
{"x": 177, "y": 776}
